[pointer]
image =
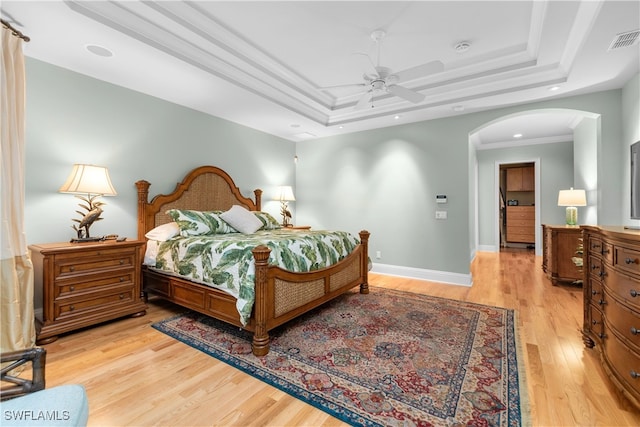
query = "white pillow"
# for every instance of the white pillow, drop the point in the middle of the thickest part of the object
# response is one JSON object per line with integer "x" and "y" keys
{"x": 241, "y": 219}
{"x": 163, "y": 232}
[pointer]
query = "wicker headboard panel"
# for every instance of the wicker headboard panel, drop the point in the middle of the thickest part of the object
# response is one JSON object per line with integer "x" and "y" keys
{"x": 204, "y": 188}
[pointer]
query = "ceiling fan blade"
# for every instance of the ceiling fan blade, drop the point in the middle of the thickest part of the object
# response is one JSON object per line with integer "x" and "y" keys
{"x": 364, "y": 100}
{"x": 420, "y": 71}
{"x": 405, "y": 93}
{"x": 370, "y": 66}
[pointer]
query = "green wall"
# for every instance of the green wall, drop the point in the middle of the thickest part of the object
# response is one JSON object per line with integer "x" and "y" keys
{"x": 72, "y": 118}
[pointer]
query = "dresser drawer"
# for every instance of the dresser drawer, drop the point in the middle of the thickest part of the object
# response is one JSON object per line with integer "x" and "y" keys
{"x": 527, "y": 223}
{"x": 596, "y": 267}
{"x": 626, "y": 259}
{"x": 521, "y": 212}
{"x": 596, "y": 324}
{"x": 82, "y": 305}
{"x": 92, "y": 283}
{"x": 623, "y": 287}
{"x": 70, "y": 264}
{"x": 624, "y": 321}
{"x": 520, "y": 237}
{"x": 624, "y": 362}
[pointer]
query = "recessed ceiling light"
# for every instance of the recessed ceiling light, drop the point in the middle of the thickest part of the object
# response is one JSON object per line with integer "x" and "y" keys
{"x": 98, "y": 50}
{"x": 517, "y": 135}
{"x": 397, "y": 117}
{"x": 458, "y": 108}
{"x": 553, "y": 88}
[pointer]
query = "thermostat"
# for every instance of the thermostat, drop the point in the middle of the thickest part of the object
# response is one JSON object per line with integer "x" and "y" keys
{"x": 441, "y": 198}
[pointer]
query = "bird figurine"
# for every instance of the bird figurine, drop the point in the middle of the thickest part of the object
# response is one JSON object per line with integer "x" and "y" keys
{"x": 92, "y": 215}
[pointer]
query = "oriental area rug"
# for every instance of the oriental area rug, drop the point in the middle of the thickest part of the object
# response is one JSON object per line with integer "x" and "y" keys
{"x": 388, "y": 358}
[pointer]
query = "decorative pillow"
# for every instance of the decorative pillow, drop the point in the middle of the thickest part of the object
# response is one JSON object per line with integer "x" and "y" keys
{"x": 163, "y": 232}
{"x": 242, "y": 219}
{"x": 196, "y": 223}
{"x": 268, "y": 222}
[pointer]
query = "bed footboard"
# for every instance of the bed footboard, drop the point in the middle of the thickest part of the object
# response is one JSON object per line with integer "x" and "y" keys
{"x": 282, "y": 295}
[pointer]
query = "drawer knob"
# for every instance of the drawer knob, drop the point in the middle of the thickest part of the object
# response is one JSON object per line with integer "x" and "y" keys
{"x": 633, "y": 293}
{"x": 72, "y": 307}
{"x": 594, "y": 292}
{"x": 121, "y": 261}
{"x": 72, "y": 288}
{"x": 594, "y": 267}
{"x": 121, "y": 296}
{"x": 602, "y": 336}
{"x": 602, "y": 302}
{"x": 602, "y": 273}
{"x": 630, "y": 261}
{"x": 634, "y": 331}
{"x": 72, "y": 268}
{"x": 634, "y": 374}
{"x": 595, "y": 322}
{"x": 604, "y": 251}
{"x": 122, "y": 279}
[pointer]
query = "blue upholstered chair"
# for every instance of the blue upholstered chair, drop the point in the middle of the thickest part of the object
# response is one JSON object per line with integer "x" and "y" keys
{"x": 26, "y": 402}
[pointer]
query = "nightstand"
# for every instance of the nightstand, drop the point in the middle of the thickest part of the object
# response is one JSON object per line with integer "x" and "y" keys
{"x": 82, "y": 284}
{"x": 300, "y": 227}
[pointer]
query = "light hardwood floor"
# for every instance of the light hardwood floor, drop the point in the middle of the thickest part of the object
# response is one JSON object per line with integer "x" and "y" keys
{"x": 136, "y": 376}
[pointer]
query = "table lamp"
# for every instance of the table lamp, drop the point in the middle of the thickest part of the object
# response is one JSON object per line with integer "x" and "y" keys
{"x": 95, "y": 182}
{"x": 572, "y": 198}
{"x": 285, "y": 195}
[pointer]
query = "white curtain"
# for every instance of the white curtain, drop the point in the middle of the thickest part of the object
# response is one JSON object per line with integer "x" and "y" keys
{"x": 16, "y": 271}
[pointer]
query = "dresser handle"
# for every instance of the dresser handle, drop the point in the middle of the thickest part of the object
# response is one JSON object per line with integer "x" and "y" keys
{"x": 594, "y": 292}
{"x": 635, "y": 331}
{"x": 629, "y": 261}
{"x": 602, "y": 302}
{"x": 121, "y": 296}
{"x": 72, "y": 307}
{"x": 602, "y": 336}
{"x": 595, "y": 322}
{"x": 72, "y": 268}
{"x": 633, "y": 293}
{"x": 634, "y": 374}
{"x": 122, "y": 279}
{"x": 604, "y": 251}
{"x": 121, "y": 261}
{"x": 595, "y": 267}
{"x": 72, "y": 288}
{"x": 602, "y": 273}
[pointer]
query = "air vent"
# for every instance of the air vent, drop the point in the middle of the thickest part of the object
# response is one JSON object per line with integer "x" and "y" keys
{"x": 625, "y": 39}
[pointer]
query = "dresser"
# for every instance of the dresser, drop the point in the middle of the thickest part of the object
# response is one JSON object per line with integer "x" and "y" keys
{"x": 82, "y": 284}
{"x": 612, "y": 304}
{"x": 562, "y": 253}
{"x": 521, "y": 224}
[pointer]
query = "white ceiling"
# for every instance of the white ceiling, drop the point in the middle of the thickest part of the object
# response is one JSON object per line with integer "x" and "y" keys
{"x": 263, "y": 64}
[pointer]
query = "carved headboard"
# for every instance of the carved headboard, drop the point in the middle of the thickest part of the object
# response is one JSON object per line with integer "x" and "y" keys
{"x": 205, "y": 188}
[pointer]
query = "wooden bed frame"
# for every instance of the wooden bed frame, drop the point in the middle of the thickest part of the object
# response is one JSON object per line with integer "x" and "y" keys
{"x": 280, "y": 295}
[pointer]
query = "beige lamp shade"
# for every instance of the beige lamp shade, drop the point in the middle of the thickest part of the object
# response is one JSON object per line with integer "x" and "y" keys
{"x": 89, "y": 179}
{"x": 285, "y": 194}
{"x": 572, "y": 198}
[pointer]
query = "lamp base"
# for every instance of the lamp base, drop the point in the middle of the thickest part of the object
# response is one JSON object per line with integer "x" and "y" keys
{"x": 572, "y": 215}
{"x": 86, "y": 239}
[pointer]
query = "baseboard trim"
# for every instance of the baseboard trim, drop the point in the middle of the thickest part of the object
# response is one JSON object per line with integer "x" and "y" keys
{"x": 423, "y": 274}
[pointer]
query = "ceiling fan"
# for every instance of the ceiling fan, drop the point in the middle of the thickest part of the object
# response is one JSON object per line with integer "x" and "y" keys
{"x": 382, "y": 80}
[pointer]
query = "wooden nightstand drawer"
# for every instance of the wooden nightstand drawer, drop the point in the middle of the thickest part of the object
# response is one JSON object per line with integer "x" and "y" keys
{"x": 82, "y": 284}
{"x": 91, "y": 283}
{"x": 93, "y": 260}
{"x": 78, "y": 306}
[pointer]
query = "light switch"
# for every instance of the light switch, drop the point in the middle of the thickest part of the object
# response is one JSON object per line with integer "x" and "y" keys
{"x": 441, "y": 214}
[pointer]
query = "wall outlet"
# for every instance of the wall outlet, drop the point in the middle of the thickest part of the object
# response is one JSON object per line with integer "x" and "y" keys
{"x": 378, "y": 254}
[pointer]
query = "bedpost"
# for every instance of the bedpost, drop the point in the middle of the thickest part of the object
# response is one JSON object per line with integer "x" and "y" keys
{"x": 143, "y": 197}
{"x": 260, "y": 344}
{"x": 258, "y": 193}
{"x": 364, "y": 241}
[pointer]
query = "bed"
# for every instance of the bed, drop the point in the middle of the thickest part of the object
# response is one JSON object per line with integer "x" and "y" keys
{"x": 280, "y": 295}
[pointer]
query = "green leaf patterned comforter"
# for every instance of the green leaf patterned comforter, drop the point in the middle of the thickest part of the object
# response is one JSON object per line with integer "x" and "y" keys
{"x": 225, "y": 261}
